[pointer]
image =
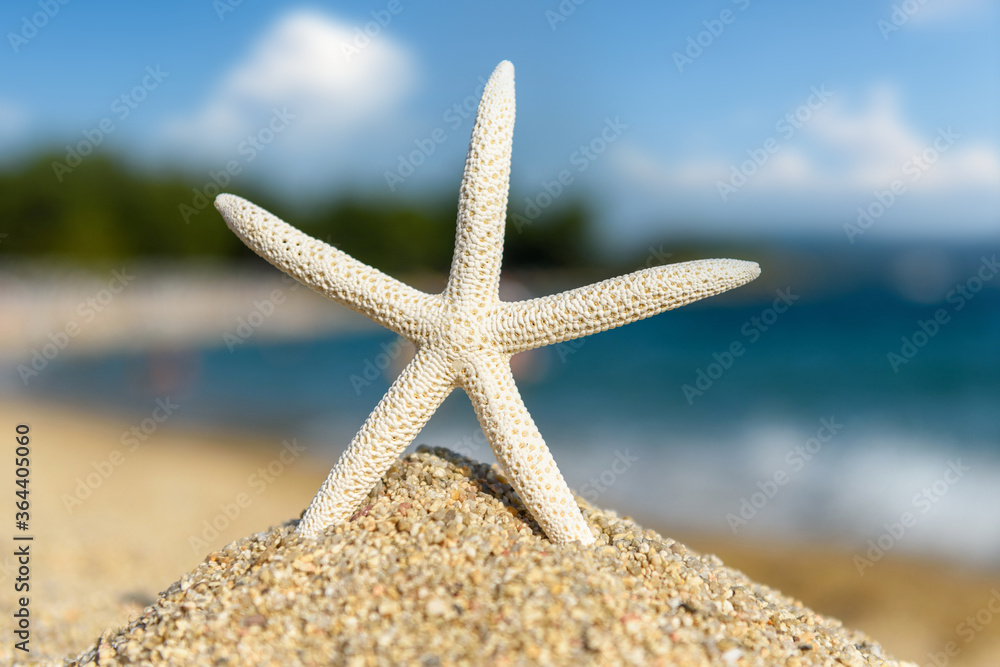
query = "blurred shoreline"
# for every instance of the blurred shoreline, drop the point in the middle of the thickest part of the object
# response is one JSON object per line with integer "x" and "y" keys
{"x": 159, "y": 304}
{"x": 149, "y": 306}
{"x": 149, "y": 520}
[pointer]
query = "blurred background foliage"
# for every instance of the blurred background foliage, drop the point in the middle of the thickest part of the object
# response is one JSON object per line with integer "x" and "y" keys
{"x": 106, "y": 211}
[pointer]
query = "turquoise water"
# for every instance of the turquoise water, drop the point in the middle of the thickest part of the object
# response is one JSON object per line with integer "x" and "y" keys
{"x": 811, "y": 396}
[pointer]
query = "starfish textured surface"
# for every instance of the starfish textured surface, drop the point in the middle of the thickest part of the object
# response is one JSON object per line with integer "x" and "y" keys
{"x": 465, "y": 336}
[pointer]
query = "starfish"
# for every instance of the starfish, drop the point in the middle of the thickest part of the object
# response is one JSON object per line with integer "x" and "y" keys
{"x": 465, "y": 336}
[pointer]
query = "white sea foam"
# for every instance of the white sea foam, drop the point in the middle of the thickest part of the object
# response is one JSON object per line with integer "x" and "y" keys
{"x": 854, "y": 488}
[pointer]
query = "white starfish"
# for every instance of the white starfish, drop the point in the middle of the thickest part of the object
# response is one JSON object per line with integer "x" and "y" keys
{"x": 465, "y": 336}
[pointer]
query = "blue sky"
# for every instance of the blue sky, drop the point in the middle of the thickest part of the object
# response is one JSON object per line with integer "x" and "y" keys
{"x": 897, "y": 104}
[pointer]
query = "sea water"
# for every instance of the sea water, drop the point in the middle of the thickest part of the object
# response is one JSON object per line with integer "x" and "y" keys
{"x": 864, "y": 418}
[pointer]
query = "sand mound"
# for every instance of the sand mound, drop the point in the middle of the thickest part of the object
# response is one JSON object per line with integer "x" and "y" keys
{"x": 443, "y": 565}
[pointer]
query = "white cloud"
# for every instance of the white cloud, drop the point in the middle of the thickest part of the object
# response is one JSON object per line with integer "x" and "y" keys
{"x": 835, "y": 162}
{"x": 838, "y": 152}
{"x": 941, "y": 12}
{"x": 13, "y": 121}
{"x": 299, "y": 65}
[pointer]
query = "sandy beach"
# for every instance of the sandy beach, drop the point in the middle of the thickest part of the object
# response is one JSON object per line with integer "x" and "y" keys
{"x": 99, "y": 558}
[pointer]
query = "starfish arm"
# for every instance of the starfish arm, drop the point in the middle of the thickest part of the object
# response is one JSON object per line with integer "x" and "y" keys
{"x": 482, "y": 204}
{"x": 521, "y": 451}
{"x": 330, "y": 271}
{"x": 524, "y": 325}
{"x": 393, "y": 424}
